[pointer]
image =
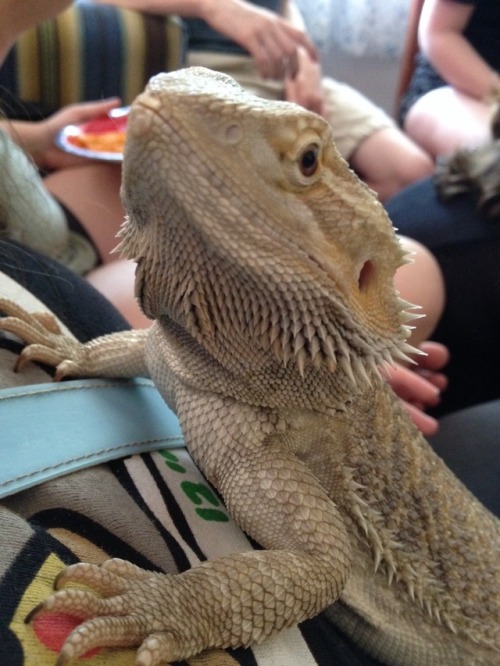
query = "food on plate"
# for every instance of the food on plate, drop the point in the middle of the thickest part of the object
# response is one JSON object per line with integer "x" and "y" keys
{"x": 100, "y": 138}
{"x": 105, "y": 142}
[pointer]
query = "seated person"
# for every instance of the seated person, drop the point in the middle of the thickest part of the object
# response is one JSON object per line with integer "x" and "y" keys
{"x": 263, "y": 46}
{"x": 452, "y": 94}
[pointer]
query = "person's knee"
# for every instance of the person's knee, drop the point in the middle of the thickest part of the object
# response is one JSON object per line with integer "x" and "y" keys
{"x": 445, "y": 120}
{"x": 421, "y": 282}
{"x": 388, "y": 161}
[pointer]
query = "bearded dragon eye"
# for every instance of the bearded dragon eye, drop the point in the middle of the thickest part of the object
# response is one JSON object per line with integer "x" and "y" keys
{"x": 308, "y": 161}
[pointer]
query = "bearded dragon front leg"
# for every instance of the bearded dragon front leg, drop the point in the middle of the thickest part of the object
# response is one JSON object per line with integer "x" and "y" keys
{"x": 114, "y": 355}
{"x": 233, "y": 600}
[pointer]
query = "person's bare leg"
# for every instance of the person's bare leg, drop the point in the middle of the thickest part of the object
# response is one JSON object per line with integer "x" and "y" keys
{"x": 92, "y": 194}
{"x": 387, "y": 160}
{"x": 444, "y": 120}
{"x": 421, "y": 283}
{"x": 116, "y": 281}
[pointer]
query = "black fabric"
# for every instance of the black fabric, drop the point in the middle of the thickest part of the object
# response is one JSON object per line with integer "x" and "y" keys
{"x": 418, "y": 212}
{"x": 483, "y": 30}
{"x": 467, "y": 247}
{"x": 16, "y": 109}
{"x": 469, "y": 443}
{"x": 79, "y": 306}
{"x": 330, "y": 646}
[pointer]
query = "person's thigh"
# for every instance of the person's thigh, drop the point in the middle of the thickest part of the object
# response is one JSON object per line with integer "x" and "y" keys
{"x": 352, "y": 116}
{"x": 444, "y": 119}
{"x": 419, "y": 213}
{"x": 380, "y": 153}
{"x": 92, "y": 193}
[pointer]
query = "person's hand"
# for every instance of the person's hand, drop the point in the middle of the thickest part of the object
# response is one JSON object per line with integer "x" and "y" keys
{"x": 42, "y": 145}
{"x": 271, "y": 40}
{"x": 420, "y": 387}
{"x": 304, "y": 87}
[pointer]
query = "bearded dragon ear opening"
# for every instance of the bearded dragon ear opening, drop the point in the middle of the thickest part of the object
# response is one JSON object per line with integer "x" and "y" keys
{"x": 366, "y": 275}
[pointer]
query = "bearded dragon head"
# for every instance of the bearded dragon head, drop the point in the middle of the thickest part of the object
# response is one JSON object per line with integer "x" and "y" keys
{"x": 246, "y": 223}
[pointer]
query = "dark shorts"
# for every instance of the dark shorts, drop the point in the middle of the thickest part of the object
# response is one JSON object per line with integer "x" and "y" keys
{"x": 79, "y": 306}
{"x": 467, "y": 247}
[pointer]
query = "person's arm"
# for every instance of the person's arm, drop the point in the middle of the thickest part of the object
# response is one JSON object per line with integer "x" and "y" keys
{"x": 270, "y": 39}
{"x": 38, "y": 138}
{"x": 303, "y": 82}
{"x": 442, "y": 41}
{"x": 19, "y": 16}
{"x": 305, "y": 86}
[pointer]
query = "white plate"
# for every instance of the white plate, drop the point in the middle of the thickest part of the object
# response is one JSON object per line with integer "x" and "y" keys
{"x": 116, "y": 119}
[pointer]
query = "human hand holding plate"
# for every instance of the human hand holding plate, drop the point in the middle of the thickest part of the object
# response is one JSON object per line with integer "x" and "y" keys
{"x": 100, "y": 138}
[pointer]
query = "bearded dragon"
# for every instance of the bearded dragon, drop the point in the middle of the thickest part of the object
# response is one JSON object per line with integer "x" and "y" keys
{"x": 267, "y": 267}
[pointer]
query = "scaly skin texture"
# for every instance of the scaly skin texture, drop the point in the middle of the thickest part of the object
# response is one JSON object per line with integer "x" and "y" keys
{"x": 267, "y": 267}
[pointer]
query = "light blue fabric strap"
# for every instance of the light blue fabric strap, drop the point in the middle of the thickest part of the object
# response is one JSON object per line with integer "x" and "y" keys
{"x": 48, "y": 430}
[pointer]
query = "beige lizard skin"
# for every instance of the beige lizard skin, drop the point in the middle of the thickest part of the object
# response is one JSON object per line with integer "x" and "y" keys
{"x": 267, "y": 267}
